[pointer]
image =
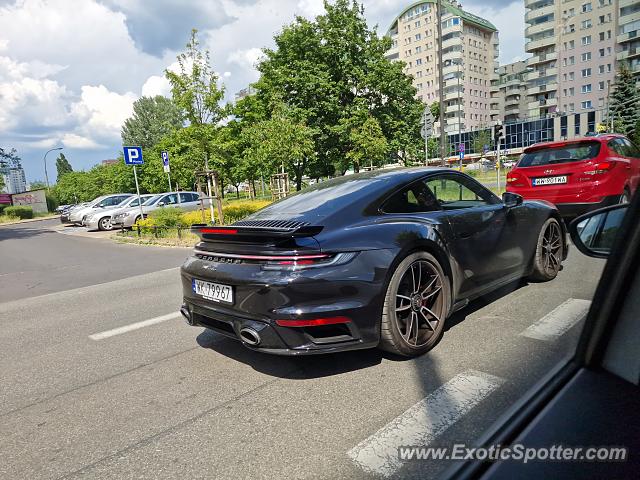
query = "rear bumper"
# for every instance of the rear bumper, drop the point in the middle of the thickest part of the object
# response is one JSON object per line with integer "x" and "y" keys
{"x": 572, "y": 210}
{"x": 354, "y": 290}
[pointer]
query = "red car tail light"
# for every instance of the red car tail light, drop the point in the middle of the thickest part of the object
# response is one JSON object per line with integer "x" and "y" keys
{"x": 600, "y": 168}
{"x": 515, "y": 179}
{"x": 316, "y": 322}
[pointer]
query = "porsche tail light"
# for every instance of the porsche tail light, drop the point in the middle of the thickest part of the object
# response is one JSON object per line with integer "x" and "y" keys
{"x": 314, "y": 322}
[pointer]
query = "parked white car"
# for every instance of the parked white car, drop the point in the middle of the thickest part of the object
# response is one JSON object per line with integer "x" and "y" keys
{"x": 101, "y": 218}
{"x": 77, "y": 215}
{"x": 187, "y": 201}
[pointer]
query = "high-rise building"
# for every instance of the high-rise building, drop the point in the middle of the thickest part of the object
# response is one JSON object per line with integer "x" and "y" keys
{"x": 509, "y": 92}
{"x": 575, "y": 45}
{"x": 14, "y": 178}
{"x": 628, "y": 34}
{"x": 469, "y": 55}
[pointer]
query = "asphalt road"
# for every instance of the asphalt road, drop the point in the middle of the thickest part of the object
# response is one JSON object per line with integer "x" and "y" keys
{"x": 164, "y": 400}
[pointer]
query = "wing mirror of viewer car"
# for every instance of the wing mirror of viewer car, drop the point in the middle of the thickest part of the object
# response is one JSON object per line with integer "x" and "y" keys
{"x": 594, "y": 233}
{"x": 511, "y": 200}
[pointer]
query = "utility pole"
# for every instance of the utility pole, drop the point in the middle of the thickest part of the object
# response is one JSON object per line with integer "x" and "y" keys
{"x": 440, "y": 81}
{"x": 46, "y": 175}
{"x": 460, "y": 97}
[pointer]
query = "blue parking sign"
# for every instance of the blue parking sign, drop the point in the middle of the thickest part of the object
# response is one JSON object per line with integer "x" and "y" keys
{"x": 133, "y": 156}
{"x": 165, "y": 158}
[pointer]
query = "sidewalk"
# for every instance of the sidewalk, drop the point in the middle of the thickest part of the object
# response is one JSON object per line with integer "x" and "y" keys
{"x": 29, "y": 220}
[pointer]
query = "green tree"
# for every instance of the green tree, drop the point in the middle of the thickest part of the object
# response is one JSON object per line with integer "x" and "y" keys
{"x": 435, "y": 110}
{"x": 282, "y": 142}
{"x": 333, "y": 70}
{"x": 7, "y": 159}
{"x": 625, "y": 101}
{"x": 480, "y": 139}
{"x": 368, "y": 144}
{"x": 62, "y": 165}
{"x": 196, "y": 93}
{"x": 37, "y": 185}
{"x": 153, "y": 118}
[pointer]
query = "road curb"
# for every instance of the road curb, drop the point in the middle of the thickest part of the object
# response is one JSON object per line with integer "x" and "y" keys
{"x": 29, "y": 220}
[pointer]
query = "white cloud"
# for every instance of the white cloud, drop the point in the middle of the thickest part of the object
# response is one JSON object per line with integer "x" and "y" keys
{"x": 156, "y": 85}
{"x": 71, "y": 140}
{"x": 101, "y": 112}
{"x": 310, "y": 8}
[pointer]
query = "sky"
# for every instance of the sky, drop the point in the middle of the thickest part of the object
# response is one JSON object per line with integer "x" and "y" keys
{"x": 70, "y": 70}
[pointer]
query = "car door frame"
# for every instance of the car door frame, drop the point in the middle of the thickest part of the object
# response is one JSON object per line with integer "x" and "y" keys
{"x": 482, "y": 280}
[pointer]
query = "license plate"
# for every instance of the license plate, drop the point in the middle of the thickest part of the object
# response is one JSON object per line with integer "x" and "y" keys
{"x": 213, "y": 291}
{"x": 549, "y": 180}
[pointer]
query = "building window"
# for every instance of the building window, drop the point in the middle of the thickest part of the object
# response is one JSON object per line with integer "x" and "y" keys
{"x": 586, "y": 72}
{"x": 586, "y": 105}
{"x": 576, "y": 124}
{"x": 600, "y": 68}
{"x": 586, "y": 88}
{"x": 586, "y": 7}
{"x": 418, "y": 37}
{"x": 586, "y": 56}
{"x": 602, "y": 52}
{"x": 586, "y": 40}
{"x": 591, "y": 122}
{"x": 419, "y": 61}
{"x": 586, "y": 24}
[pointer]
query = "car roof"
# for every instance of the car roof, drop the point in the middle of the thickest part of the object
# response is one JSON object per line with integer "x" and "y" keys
{"x": 603, "y": 138}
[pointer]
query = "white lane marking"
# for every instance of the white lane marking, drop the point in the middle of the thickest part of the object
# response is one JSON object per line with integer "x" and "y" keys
{"x": 559, "y": 321}
{"x": 134, "y": 326}
{"x": 423, "y": 422}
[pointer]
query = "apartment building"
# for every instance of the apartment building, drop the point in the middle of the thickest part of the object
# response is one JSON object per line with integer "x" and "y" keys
{"x": 574, "y": 46}
{"x": 469, "y": 54}
{"x": 628, "y": 34}
{"x": 509, "y": 93}
{"x": 14, "y": 178}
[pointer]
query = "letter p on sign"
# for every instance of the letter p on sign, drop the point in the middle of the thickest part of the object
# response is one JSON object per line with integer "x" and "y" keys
{"x": 133, "y": 156}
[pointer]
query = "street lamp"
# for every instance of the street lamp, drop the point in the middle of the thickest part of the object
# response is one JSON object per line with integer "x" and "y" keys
{"x": 46, "y": 175}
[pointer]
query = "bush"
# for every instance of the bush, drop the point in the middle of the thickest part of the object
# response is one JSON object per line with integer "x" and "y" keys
{"x": 19, "y": 211}
{"x": 2, "y": 207}
{"x": 52, "y": 203}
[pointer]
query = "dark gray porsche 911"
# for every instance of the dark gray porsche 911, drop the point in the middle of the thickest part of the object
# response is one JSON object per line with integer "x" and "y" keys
{"x": 374, "y": 259}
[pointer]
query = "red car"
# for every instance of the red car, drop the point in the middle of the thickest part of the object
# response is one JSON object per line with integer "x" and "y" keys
{"x": 578, "y": 175}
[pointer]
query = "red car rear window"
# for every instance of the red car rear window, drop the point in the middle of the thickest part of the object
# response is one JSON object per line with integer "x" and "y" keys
{"x": 560, "y": 154}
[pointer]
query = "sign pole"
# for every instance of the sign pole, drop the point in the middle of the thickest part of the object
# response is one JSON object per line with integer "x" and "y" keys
{"x": 169, "y": 178}
{"x": 135, "y": 175}
{"x": 498, "y": 164}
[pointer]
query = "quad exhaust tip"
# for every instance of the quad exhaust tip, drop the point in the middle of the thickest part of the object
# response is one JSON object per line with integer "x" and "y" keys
{"x": 249, "y": 336}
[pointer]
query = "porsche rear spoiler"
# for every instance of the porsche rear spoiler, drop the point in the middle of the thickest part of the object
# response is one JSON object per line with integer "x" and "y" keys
{"x": 252, "y": 234}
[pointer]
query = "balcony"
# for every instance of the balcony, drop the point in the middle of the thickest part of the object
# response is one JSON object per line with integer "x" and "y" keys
{"x": 627, "y": 37}
{"x": 451, "y": 42}
{"x": 448, "y": 69}
{"x": 452, "y": 56}
{"x": 542, "y": 58}
{"x": 513, "y": 100}
{"x": 511, "y": 109}
{"x": 494, "y": 112}
{"x": 539, "y": 12}
{"x": 626, "y": 54}
{"x": 549, "y": 87}
{"x": 453, "y": 95}
{"x": 541, "y": 27}
{"x": 454, "y": 109}
{"x": 451, "y": 29}
{"x": 547, "y": 72}
{"x": 534, "y": 45}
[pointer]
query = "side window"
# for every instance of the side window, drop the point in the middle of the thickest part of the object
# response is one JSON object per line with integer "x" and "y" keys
{"x": 186, "y": 197}
{"x": 453, "y": 193}
{"x": 170, "y": 199}
{"x": 107, "y": 202}
{"x": 415, "y": 198}
{"x": 618, "y": 146}
{"x": 632, "y": 150}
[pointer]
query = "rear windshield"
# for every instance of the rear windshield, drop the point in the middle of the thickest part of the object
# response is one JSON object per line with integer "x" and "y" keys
{"x": 563, "y": 154}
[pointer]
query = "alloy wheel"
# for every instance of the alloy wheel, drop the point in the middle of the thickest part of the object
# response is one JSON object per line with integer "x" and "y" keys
{"x": 105, "y": 224}
{"x": 551, "y": 245}
{"x": 419, "y": 305}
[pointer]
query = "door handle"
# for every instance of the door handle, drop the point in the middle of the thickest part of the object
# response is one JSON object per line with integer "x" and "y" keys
{"x": 465, "y": 234}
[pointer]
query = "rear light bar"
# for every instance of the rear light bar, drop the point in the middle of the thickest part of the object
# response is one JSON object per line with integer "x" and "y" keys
{"x": 316, "y": 322}
{"x": 279, "y": 262}
{"x": 220, "y": 231}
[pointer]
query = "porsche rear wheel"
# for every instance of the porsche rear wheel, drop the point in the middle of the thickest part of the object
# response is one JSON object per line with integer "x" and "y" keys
{"x": 547, "y": 258}
{"x": 416, "y": 306}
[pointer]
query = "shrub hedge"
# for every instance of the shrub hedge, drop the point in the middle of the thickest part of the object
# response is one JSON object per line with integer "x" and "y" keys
{"x": 168, "y": 218}
{"x": 19, "y": 211}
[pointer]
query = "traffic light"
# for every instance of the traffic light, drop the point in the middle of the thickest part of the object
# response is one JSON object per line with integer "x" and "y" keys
{"x": 497, "y": 132}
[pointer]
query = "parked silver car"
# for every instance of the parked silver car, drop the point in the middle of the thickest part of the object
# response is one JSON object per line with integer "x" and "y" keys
{"x": 101, "y": 219}
{"x": 187, "y": 201}
{"x": 77, "y": 215}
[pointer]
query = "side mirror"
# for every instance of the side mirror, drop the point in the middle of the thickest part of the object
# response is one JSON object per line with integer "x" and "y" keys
{"x": 161, "y": 204}
{"x": 594, "y": 234}
{"x": 511, "y": 200}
